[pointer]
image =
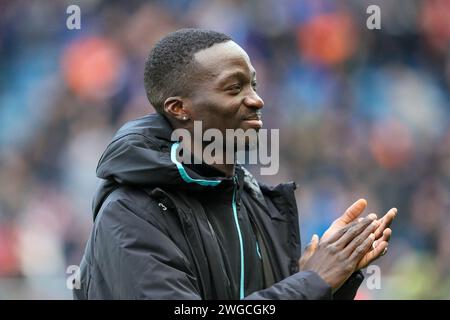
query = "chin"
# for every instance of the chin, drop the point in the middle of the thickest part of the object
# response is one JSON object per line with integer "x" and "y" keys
{"x": 249, "y": 144}
{"x": 245, "y": 139}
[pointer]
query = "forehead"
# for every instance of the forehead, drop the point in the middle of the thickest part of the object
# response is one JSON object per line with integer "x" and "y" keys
{"x": 224, "y": 57}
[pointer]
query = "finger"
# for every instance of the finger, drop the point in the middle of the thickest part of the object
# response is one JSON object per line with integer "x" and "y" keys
{"x": 336, "y": 235}
{"x": 377, "y": 252}
{"x": 355, "y": 231}
{"x": 385, "y": 237}
{"x": 392, "y": 213}
{"x": 356, "y": 242}
{"x": 341, "y": 231}
{"x": 353, "y": 212}
{"x": 362, "y": 249}
{"x": 372, "y": 216}
{"x": 386, "y": 222}
{"x": 373, "y": 255}
{"x": 350, "y": 215}
{"x": 387, "y": 234}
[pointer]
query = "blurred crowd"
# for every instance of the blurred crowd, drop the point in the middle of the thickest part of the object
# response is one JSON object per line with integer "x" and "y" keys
{"x": 361, "y": 113}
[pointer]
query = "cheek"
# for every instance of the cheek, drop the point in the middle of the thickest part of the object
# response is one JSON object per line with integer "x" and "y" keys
{"x": 227, "y": 117}
{"x": 224, "y": 105}
{"x": 219, "y": 113}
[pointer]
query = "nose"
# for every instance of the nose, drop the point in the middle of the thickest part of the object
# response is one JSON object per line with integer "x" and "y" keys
{"x": 254, "y": 101}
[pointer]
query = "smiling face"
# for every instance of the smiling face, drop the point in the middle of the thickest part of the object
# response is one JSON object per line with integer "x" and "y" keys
{"x": 225, "y": 93}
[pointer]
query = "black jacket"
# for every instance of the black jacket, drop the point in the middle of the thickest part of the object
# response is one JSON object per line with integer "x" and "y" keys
{"x": 164, "y": 230}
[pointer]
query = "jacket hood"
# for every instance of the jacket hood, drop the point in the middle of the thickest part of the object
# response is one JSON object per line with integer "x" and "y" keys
{"x": 142, "y": 154}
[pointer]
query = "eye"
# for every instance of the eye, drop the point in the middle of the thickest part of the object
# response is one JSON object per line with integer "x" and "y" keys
{"x": 235, "y": 88}
{"x": 255, "y": 85}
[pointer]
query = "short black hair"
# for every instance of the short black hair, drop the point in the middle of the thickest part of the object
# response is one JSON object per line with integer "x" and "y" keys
{"x": 171, "y": 62}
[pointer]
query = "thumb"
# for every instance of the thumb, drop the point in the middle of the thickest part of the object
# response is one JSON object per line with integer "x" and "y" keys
{"x": 309, "y": 250}
{"x": 312, "y": 246}
{"x": 314, "y": 242}
{"x": 353, "y": 212}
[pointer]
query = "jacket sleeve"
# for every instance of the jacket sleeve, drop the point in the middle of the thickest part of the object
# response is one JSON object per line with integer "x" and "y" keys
{"x": 307, "y": 285}
{"x": 304, "y": 285}
{"x": 137, "y": 260}
{"x": 350, "y": 287}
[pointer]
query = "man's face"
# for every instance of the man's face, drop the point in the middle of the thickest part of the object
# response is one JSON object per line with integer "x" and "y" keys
{"x": 225, "y": 95}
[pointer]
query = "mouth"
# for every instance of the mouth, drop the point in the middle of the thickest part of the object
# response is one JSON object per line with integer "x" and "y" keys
{"x": 255, "y": 116}
{"x": 254, "y": 121}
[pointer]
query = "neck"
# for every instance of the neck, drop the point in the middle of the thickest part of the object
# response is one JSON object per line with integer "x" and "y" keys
{"x": 226, "y": 168}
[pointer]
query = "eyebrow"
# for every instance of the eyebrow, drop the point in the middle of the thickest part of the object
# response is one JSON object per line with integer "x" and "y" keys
{"x": 237, "y": 73}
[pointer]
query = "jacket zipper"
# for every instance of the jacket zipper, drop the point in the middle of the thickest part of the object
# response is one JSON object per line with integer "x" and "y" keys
{"x": 241, "y": 244}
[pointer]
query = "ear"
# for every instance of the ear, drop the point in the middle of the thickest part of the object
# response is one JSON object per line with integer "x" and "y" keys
{"x": 175, "y": 107}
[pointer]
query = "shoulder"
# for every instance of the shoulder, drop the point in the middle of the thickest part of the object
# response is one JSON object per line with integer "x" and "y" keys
{"x": 281, "y": 190}
{"x": 135, "y": 196}
{"x": 128, "y": 202}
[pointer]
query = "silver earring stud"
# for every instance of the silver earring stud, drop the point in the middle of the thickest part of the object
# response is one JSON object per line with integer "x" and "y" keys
{"x": 184, "y": 118}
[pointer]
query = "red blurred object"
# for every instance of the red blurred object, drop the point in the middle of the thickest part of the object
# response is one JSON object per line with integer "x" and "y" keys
{"x": 91, "y": 67}
{"x": 9, "y": 263}
{"x": 391, "y": 144}
{"x": 435, "y": 22}
{"x": 328, "y": 38}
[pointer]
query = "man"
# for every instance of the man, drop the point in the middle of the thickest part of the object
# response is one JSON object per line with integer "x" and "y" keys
{"x": 169, "y": 230}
